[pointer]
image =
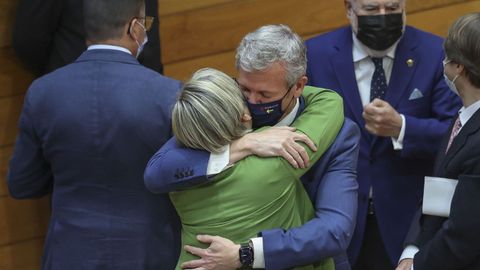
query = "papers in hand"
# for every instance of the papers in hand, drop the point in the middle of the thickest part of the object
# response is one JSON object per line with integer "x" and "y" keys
{"x": 437, "y": 196}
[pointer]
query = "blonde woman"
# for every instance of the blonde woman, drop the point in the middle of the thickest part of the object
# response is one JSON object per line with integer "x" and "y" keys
{"x": 255, "y": 193}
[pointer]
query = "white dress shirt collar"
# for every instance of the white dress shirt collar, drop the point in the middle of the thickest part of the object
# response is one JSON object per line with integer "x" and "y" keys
{"x": 288, "y": 120}
{"x": 108, "y": 47}
{"x": 466, "y": 113}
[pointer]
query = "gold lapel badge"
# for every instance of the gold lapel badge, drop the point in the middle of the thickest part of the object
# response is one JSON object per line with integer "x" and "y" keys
{"x": 410, "y": 62}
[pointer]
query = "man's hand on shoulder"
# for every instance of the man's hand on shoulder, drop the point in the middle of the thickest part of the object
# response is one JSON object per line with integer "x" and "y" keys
{"x": 222, "y": 254}
{"x": 273, "y": 142}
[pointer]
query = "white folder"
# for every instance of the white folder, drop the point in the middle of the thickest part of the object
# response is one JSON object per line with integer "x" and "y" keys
{"x": 437, "y": 195}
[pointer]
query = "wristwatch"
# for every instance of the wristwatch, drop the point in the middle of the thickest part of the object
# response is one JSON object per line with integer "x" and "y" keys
{"x": 246, "y": 256}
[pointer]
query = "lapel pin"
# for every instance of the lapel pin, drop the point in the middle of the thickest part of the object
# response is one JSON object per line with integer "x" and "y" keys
{"x": 410, "y": 62}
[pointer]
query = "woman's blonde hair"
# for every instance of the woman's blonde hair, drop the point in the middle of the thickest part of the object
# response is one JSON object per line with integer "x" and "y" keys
{"x": 208, "y": 111}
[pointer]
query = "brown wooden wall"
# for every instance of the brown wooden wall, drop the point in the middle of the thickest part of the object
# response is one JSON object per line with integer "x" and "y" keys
{"x": 195, "y": 34}
{"x": 205, "y": 33}
{"x": 22, "y": 223}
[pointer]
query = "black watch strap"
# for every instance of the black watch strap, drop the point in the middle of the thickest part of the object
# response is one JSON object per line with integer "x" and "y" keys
{"x": 246, "y": 256}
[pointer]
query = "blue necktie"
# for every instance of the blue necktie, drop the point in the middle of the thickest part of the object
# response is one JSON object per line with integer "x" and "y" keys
{"x": 379, "y": 81}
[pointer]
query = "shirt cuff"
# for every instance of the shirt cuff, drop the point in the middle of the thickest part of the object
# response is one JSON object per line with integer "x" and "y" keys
{"x": 398, "y": 143}
{"x": 218, "y": 161}
{"x": 408, "y": 253}
{"x": 258, "y": 258}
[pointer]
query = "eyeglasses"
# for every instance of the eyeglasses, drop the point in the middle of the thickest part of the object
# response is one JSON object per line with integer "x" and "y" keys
{"x": 147, "y": 22}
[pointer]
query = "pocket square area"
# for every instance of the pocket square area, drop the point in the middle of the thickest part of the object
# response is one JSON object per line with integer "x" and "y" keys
{"x": 416, "y": 94}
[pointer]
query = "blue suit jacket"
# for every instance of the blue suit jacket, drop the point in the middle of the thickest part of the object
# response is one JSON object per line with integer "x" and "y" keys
{"x": 331, "y": 185}
{"x": 396, "y": 176}
{"x": 86, "y": 133}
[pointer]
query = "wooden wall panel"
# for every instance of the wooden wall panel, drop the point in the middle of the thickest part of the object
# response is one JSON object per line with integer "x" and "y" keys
{"x": 10, "y": 108}
{"x": 438, "y": 20}
{"x": 5, "y": 153}
{"x": 7, "y": 15}
{"x": 14, "y": 79}
{"x": 27, "y": 219}
{"x": 434, "y": 20}
{"x": 219, "y": 28}
{"x": 168, "y": 7}
{"x": 22, "y": 256}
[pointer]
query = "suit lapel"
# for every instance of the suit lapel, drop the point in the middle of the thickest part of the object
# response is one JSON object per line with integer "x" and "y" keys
{"x": 342, "y": 61}
{"x": 402, "y": 72}
{"x": 471, "y": 127}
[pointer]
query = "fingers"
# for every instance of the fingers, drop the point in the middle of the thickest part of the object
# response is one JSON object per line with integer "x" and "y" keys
{"x": 195, "y": 264}
{"x": 371, "y": 110}
{"x": 299, "y": 154}
{"x": 204, "y": 238}
{"x": 289, "y": 157}
{"x": 305, "y": 139}
{"x": 200, "y": 252}
{"x": 378, "y": 102}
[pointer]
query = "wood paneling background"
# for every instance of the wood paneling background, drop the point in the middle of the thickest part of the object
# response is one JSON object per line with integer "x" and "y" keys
{"x": 194, "y": 34}
{"x": 22, "y": 223}
{"x": 199, "y": 33}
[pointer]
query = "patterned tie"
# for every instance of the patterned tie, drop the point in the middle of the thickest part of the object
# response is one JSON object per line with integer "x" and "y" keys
{"x": 455, "y": 130}
{"x": 379, "y": 81}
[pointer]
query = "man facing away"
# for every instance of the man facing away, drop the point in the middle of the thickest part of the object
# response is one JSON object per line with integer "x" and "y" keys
{"x": 86, "y": 132}
{"x": 391, "y": 78}
{"x": 271, "y": 64}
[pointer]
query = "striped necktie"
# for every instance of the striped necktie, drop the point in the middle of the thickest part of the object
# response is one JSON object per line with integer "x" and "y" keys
{"x": 456, "y": 128}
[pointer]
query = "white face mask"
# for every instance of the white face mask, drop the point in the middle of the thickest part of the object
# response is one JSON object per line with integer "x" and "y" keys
{"x": 450, "y": 83}
{"x": 141, "y": 46}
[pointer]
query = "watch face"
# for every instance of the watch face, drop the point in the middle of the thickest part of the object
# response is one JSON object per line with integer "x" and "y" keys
{"x": 246, "y": 255}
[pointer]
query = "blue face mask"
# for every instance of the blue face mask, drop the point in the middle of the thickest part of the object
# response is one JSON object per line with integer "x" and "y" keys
{"x": 266, "y": 114}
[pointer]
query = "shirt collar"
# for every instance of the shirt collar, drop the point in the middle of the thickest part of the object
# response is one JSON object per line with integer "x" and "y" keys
{"x": 288, "y": 120}
{"x": 360, "y": 51}
{"x": 466, "y": 113}
{"x": 108, "y": 47}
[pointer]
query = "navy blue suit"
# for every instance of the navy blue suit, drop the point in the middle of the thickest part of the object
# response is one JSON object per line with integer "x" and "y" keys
{"x": 331, "y": 185}
{"x": 87, "y": 131}
{"x": 395, "y": 176}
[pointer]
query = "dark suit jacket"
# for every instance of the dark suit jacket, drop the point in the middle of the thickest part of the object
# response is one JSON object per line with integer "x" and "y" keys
{"x": 395, "y": 176}
{"x": 330, "y": 183}
{"x": 49, "y": 34}
{"x": 453, "y": 243}
{"x": 87, "y": 131}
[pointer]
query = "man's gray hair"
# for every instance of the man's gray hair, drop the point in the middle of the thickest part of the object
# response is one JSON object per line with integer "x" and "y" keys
{"x": 269, "y": 44}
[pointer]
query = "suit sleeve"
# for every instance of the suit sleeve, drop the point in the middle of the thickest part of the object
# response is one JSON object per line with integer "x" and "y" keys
{"x": 455, "y": 244}
{"x": 30, "y": 174}
{"x": 174, "y": 167}
{"x": 330, "y": 231}
{"x": 423, "y": 135}
{"x": 320, "y": 121}
{"x": 33, "y": 31}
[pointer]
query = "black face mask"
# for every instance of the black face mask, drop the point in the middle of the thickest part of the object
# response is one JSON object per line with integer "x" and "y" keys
{"x": 379, "y": 32}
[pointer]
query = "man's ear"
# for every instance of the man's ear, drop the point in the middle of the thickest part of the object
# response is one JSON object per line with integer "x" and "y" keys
{"x": 299, "y": 85}
{"x": 348, "y": 7}
{"x": 246, "y": 117}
